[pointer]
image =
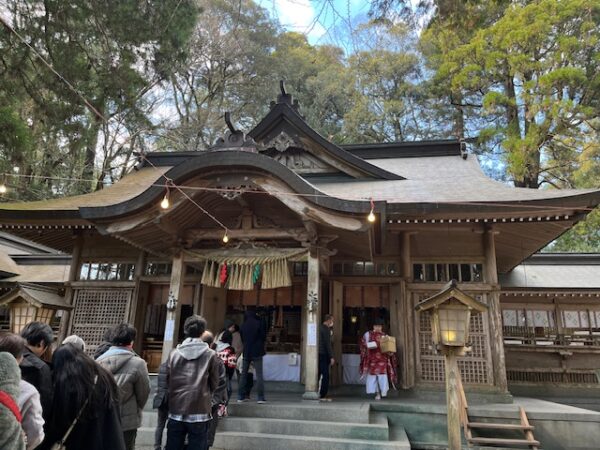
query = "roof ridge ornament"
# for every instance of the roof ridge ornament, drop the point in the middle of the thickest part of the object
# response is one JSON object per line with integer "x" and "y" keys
{"x": 234, "y": 139}
{"x": 286, "y": 98}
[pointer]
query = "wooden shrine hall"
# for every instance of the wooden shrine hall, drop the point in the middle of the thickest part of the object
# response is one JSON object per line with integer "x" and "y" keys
{"x": 295, "y": 211}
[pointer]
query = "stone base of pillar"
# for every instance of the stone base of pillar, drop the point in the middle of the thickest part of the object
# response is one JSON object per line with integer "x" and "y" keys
{"x": 310, "y": 395}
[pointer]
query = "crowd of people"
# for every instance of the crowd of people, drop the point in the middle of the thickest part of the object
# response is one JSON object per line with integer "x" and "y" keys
{"x": 74, "y": 401}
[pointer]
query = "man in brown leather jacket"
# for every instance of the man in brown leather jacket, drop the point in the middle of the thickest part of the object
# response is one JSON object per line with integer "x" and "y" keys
{"x": 192, "y": 377}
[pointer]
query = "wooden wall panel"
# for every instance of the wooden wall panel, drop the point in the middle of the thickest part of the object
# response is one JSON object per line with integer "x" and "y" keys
{"x": 298, "y": 294}
{"x": 234, "y": 298}
{"x": 442, "y": 244}
{"x": 266, "y": 297}
{"x": 283, "y": 296}
{"x": 372, "y": 296}
{"x": 353, "y": 296}
{"x": 249, "y": 298}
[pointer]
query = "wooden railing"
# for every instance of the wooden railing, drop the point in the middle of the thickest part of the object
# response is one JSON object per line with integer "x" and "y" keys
{"x": 523, "y": 426}
{"x": 515, "y": 335}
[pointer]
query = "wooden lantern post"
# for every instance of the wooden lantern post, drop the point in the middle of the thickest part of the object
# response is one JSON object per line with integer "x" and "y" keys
{"x": 451, "y": 311}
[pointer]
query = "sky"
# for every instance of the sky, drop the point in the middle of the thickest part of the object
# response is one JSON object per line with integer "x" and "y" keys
{"x": 320, "y": 20}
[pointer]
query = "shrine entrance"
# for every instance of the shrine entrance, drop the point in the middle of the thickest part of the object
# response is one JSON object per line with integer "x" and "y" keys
{"x": 152, "y": 299}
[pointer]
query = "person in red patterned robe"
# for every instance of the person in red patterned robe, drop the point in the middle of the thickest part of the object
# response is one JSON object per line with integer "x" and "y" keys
{"x": 378, "y": 367}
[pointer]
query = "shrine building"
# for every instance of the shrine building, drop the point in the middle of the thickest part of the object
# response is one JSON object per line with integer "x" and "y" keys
{"x": 295, "y": 211}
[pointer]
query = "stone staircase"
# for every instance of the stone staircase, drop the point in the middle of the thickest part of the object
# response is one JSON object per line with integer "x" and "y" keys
{"x": 295, "y": 426}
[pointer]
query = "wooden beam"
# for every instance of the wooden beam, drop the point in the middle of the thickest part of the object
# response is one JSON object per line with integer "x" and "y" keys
{"x": 306, "y": 210}
{"x": 193, "y": 236}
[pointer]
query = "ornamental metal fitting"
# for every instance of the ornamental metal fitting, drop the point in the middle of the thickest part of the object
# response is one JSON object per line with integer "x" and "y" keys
{"x": 234, "y": 139}
{"x": 171, "y": 303}
{"x": 312, "y": 301}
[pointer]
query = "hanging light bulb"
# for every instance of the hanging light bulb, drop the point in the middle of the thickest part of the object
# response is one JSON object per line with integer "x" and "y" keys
{"x": 165, "y": 201}
{"x": 3, "y": 188}
{"x": 225, "y": 238}
{"x": 371, "y": 216}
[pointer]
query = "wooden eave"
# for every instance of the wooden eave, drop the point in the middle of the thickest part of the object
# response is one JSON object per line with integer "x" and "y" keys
{"x": 223, "y": 160}
{"x": 283, "y": 112}
{"x": 451, "y": 291}
{"x": 411, "y": 149}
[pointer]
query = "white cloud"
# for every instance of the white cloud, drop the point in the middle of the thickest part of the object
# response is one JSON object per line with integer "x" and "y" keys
{"x": 297, "y": 15}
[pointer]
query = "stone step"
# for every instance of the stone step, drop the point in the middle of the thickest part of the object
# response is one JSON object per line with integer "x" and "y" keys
{"x": 232, "y": 440}
{"x": 327, "y": 412}
{"x": 376, "y": 431}
{"x": 149, "y": 418}
{"x": 145, "y": 436}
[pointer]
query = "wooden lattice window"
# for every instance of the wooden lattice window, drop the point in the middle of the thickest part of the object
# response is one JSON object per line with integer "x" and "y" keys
{"x": 474, "y": 367}
{"x": 97, "y": 310}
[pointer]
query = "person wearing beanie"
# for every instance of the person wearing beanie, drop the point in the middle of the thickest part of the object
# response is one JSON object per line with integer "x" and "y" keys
{"x": 29, "y": 403}
{"x": 11, "y": 434}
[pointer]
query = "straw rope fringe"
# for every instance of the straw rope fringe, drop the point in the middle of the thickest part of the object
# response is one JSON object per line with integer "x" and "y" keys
{"x": 274, "y": 273}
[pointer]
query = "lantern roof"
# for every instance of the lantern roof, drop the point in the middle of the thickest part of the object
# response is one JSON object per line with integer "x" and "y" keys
{"x": 448, "y": 293}
{"x": 36, "y": 295}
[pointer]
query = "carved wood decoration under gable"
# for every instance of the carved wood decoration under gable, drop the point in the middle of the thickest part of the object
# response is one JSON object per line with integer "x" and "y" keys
{"x": 289, "y": 151}
{"x": 300, "y": 161}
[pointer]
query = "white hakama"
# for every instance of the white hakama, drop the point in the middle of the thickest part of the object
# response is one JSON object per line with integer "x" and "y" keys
{"x": 378, "y": 381}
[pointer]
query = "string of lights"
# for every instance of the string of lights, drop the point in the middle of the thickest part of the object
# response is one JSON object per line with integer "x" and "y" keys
{"x": 169, "y": 184}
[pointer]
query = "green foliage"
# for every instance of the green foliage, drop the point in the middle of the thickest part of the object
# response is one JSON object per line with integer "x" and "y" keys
{"x": 536, "y": 71}
{"x": 15, "y": 138}
{"x": 111, "y": 53}
{"x": 522, "y": 77}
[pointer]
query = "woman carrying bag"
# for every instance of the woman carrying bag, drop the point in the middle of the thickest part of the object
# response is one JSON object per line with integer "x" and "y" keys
{"x": 84, "y": 413}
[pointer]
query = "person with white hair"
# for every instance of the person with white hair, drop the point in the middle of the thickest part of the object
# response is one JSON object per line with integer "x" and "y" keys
{"x": 75, "y": 341}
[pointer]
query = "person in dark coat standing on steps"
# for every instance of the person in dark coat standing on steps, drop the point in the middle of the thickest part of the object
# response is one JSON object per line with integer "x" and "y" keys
{"x": 254, "y": 334}
{"x": 325, "y": 356}
{"x": 219, "y": 395}
{"x": 34, "y": 370}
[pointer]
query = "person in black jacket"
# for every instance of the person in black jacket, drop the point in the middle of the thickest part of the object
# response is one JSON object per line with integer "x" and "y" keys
{"x": 325, "y": 356}
{"x": 219, "y": 396}
{"x": 83, "y": 388}
{"x": 161, "y": 403}
{"x": 34, "y": 370}
{"x": 254, "y": 334}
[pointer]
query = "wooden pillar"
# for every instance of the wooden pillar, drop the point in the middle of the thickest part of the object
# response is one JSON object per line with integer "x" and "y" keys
{"x": 139, "y": 299}
{"x": 65, "y": 322}
{"x": 337, "y": 310}
{"x": 494, "y": 312}
{"x": 395, "y": 296}
{"x": 452, "y": 397}
{"x": 407, "y": 316}
{"x": 174, "y": 305}
{"x": 312, "y": 313}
